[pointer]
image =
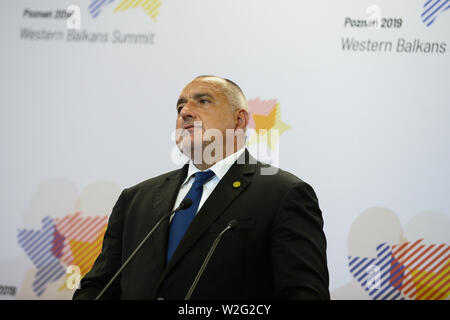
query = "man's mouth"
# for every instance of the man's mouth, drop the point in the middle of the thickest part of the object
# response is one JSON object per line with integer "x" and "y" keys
{"x": 191, "y": 126}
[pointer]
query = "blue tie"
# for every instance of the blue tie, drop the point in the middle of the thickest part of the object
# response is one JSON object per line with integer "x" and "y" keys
{"x": 183, "y": 218}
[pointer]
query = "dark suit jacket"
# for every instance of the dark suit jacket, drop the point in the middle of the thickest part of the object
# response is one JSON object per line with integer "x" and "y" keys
{"x": 277, "y": 251}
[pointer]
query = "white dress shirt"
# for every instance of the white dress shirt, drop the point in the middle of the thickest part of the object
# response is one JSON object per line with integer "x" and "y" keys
{"x": 220, "y": 169}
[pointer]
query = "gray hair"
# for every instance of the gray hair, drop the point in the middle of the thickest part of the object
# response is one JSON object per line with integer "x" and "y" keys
{"x": 233, "y": 92}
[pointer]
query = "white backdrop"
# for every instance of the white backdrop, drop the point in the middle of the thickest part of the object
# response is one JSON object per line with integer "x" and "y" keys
{"x": 366, "y": 124}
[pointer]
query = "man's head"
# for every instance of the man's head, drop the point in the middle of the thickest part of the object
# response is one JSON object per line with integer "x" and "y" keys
{"x": 207, "y": 108}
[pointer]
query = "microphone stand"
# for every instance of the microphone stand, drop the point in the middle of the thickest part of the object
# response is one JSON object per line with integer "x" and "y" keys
{"x": 186, "y": 203}
{"x": 230, "y": 225}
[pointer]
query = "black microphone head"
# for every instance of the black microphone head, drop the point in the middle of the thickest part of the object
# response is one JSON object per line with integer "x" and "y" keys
{"x": 233, "y": 223}
{"x": 186, "y": 203}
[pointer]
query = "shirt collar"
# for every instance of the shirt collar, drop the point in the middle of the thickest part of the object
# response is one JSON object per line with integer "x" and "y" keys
{"x": 219, "y": 168}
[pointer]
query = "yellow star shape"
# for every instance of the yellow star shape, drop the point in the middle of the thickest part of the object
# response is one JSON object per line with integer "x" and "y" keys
{"x": 268, "y": 128}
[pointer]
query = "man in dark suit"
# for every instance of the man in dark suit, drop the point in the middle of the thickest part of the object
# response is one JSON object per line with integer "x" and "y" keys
{"x": 277, "y": 249}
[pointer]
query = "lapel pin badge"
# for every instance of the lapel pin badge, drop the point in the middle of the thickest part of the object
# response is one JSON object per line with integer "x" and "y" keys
{"x": 236, "y": 184}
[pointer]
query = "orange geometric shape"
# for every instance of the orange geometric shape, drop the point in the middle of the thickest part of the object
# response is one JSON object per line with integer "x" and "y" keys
{"x": 265, "y": 122}
{"x": 427, "y": 273}
{"x": 85, "y": 253}
{"x": 429, "y": 283}
{"x": 77, "y": 228}
{"x": 259, "y": 107}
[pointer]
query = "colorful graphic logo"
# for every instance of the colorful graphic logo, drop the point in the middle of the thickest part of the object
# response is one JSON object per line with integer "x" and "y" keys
{"x": 432, "y": 9}
{"x": 391, "y": 261}
{"x": 150, "y": 7}
{"x": 412, "y": 270}
{"x": 265, "y": 120}
{"x": 60, "y": 243}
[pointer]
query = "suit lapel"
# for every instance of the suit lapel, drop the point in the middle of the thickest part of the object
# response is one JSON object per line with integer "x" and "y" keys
{"x": 164, "y": 199}
{"x": 166, "y": 193}
{"x": 222, "y": 196}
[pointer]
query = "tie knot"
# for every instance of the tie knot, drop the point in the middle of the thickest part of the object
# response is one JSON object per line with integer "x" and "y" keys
{"x": 203, "y": 176}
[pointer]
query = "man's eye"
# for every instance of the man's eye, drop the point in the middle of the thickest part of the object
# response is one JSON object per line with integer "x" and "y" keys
{"x": 204, "y": 101}
{"x": 179, "y": 108}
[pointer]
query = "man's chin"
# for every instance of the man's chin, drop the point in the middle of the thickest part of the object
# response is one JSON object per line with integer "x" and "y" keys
{"x": 191, "y": 149}
{"x": 201, "y": 152}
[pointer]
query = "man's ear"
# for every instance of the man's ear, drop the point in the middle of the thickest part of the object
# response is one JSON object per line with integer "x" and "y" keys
{"x": 242, "y": 118}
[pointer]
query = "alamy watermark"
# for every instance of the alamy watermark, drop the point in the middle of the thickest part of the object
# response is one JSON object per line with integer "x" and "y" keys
{"x": 73, "y": 279}
{"x": 373, "y": 277}
{"x": 209, "y": 146}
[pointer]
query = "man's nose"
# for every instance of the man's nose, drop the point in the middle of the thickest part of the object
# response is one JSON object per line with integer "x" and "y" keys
{"x": 187, "y": 112}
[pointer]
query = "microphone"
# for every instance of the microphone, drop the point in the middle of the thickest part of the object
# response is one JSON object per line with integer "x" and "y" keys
{"x": 232, "y": 224}
{"x": 186, "y": 203}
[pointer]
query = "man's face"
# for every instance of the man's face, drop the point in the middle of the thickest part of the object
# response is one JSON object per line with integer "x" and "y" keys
{"x": 202, "y": 104}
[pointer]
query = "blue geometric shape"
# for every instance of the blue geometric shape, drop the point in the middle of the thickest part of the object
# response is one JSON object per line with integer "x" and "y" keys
{"x": 390, "y": 281}
{"x": 432, "y": 9}
{"x": 38, "y": 245}
{"x": 96, "y": 6}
